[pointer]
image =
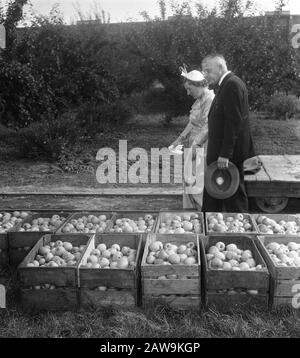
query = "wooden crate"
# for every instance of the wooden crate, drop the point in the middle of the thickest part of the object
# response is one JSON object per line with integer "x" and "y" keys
{"x": 21, "y": 242}
{"x": 277, "y": 218}
{"x": 123, "y": 285}
{"x": 163, "y": 215}
{"x": 183, "y": 292}
{"x": 283, "y": 279}
{"x": 3, "y": 251}
{"x": 80, "y": 214}
{"x": 4, "y": 254}
{"x": 65, "y": 295}
{"x": 226, "y": 215}
{"x": 217, "y": 284}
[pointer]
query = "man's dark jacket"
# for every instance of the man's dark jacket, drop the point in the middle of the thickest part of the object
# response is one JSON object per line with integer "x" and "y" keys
{"x": 228, "y": 123}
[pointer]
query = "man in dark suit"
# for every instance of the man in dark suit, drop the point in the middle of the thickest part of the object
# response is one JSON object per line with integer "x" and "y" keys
{"x": 229, "y": 137}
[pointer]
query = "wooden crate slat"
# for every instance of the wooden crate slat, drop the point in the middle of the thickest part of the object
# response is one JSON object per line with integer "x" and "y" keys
{"x": 106, "y": 277}
{"x": 174, "y": 301}
{"x": 58, "y": 299}
{"x": 171, "y": 286}
{"x": 89, "y": 299}
{"x": 283, "y": 288}
{"x": 217, "y": 279}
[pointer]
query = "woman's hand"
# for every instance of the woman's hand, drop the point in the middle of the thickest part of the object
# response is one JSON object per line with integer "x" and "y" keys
{"x": 176, "y": 142}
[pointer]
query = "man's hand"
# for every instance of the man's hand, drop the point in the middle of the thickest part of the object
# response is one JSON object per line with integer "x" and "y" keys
{"x": 223, "y": 163}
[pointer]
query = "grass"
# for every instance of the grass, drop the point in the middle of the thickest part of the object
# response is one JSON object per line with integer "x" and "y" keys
{"x": 154, "y": 322}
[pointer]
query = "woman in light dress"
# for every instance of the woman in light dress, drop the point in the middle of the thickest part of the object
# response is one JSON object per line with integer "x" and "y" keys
{"x": 195, "y": 135}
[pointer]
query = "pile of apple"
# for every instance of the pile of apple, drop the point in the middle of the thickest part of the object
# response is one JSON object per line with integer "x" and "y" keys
{"x": 125, "y": 225}
{"x": 45, "y": 286}
{"x": 9, "y": 220}
{"x": 57, "y": 254}
{"x": 285, "y": 255}
{"x": 180, "y": 224}
{"x": 237, "y": 223}
{"x": 270, "y": 226}
{"x": 114, "y": 257}
{"x": 170, "y": 254}
{"x": 90, "y": 224}
{"x": 230, "y": 257}
{"x": 240, "y": 291}
{"x": 43, "y": 224}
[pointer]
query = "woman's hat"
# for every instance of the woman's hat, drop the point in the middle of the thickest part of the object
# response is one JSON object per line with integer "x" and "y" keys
{"x": 221, "y": 183}
{"x": 195, "y": 76}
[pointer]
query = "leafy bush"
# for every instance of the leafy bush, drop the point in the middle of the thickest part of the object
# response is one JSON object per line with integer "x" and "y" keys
{"x": 47, "y": 138}
{"x": 25, "y": 98}
{"x": 283, "y": 106}
{"x": 94, "y": 117}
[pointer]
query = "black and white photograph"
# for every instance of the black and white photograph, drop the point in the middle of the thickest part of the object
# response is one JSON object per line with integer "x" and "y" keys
{"x": 149, "y": 174}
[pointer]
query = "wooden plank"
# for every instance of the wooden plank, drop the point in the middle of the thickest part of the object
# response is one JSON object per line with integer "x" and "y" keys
{"x": 58, "y": 299}
{"x": 3, "y": 241}
{"x": 273, "y": 189}
{"x": 281, "y": 168}
{"x": 171, "y": 286}
{"x": 252, "y": 280}
{"x": 91, "y": 299}
{"x": 89, "y": 277}
{"x": 117, "y": 202}
{"x": 76, "y": 191}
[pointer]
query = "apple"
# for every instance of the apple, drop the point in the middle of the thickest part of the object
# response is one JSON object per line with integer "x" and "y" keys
{"x": 284, "y": 254}
{"x": 232, "y": 258}
{"x": 186, "y": 223}
{"x": 126, "y": 225}
{"x": 218, "y": 222}
{"x": 9, "y": 220}
{"x": 171, "y": 254}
